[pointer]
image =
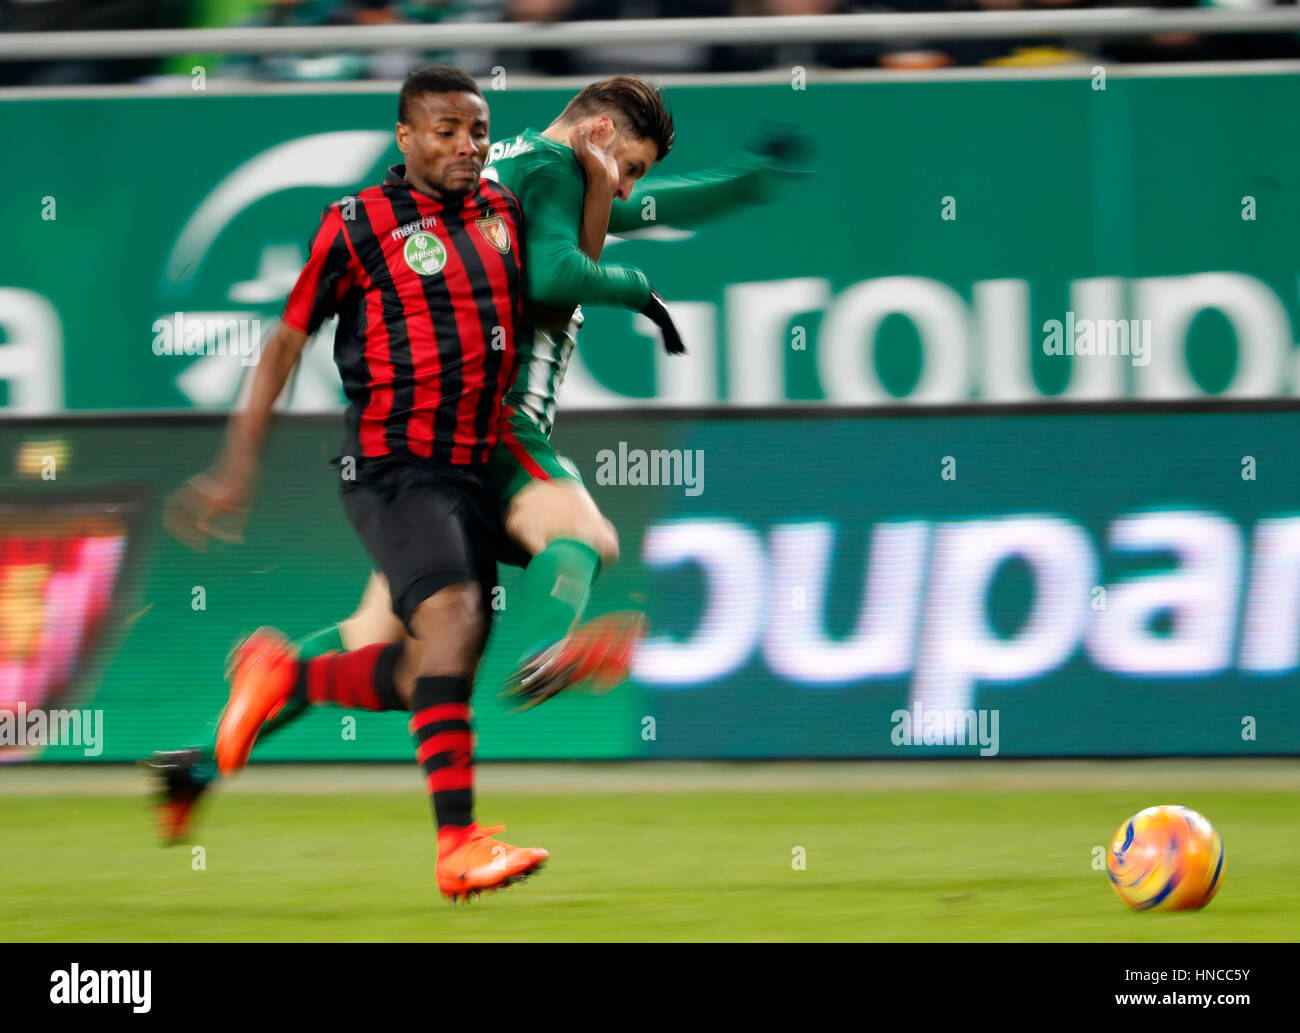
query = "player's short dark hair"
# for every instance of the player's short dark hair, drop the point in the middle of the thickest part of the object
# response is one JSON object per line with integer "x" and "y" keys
{"x": 637, "y": 106}
{"x": 433, "y": 79}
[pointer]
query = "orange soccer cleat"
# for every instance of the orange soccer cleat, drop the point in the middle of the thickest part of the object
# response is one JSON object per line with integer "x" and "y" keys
{"x": 262, "y": 671}
{"x": 599, "y": 652}
{"x": 471, "y": 861}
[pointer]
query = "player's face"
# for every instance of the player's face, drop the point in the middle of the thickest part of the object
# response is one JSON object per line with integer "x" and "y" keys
{"x": 445, "y": 143}
{"x": 634, "y": 155}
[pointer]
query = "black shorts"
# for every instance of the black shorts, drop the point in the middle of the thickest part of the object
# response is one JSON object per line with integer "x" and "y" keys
{"x": 425, "y": 527}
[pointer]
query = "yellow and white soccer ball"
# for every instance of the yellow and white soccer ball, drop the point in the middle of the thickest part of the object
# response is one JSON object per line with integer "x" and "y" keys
{"x": 1166, "y": 859}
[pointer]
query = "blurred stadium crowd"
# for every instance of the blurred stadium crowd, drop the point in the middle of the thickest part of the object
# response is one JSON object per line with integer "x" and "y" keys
{"x": 94, "y": 15}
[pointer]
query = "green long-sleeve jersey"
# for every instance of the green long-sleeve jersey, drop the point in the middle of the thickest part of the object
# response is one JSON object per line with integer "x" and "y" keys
{"x": 548, "y": 180}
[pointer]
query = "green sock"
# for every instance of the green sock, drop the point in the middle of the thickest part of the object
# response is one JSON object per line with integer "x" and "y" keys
{"x": 318, "y": 643}
{"x": 557, "y": 584}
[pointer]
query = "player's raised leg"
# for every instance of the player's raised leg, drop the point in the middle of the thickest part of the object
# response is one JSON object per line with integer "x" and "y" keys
{"x": 570, "y": 540}
{"x": 267, "y": 692}
{"x": 553, "y": 519}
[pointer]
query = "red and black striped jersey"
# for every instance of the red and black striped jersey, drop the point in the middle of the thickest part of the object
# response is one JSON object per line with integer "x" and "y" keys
{"x": 429, "y": 302}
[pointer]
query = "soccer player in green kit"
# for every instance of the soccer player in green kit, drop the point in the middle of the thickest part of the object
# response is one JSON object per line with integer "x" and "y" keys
{"x": 597, "y": 150}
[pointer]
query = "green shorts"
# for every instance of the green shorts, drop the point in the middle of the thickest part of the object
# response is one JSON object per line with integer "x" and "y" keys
{"x": 523, "y": 455}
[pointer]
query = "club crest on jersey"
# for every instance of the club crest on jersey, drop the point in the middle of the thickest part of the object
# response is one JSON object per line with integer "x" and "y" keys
{"x": 495, "y": 233}
{"x": 425, "y": 254}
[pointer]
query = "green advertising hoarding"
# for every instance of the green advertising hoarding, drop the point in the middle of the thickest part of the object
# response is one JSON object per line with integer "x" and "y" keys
{"x": 1072, "y": 583}
{"x": 948, "y": 225}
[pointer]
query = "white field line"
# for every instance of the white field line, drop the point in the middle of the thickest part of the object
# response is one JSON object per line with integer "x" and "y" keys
{"x": 1154, "y": 776}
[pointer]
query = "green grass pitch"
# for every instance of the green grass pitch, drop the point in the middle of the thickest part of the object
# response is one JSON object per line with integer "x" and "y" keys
{"x": 892, "y": 852}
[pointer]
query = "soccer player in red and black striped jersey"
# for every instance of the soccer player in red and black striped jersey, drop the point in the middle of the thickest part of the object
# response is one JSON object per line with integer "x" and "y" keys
{"x": 559, "y": 516}
{"x": 424, "y": 273}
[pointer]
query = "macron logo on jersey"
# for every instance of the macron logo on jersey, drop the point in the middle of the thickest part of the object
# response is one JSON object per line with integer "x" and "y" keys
{"x": 402, "y": 232}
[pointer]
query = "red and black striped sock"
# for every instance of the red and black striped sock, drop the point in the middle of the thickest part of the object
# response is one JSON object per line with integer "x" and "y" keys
{"x": 444, "y": 747}
{"x": 361, "y": 679}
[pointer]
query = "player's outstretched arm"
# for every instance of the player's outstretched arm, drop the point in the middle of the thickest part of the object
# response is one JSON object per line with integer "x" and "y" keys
{"x": 690, "y": 198}
{"x": 746, "y": 179}
{"x": 215, "y": 503}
